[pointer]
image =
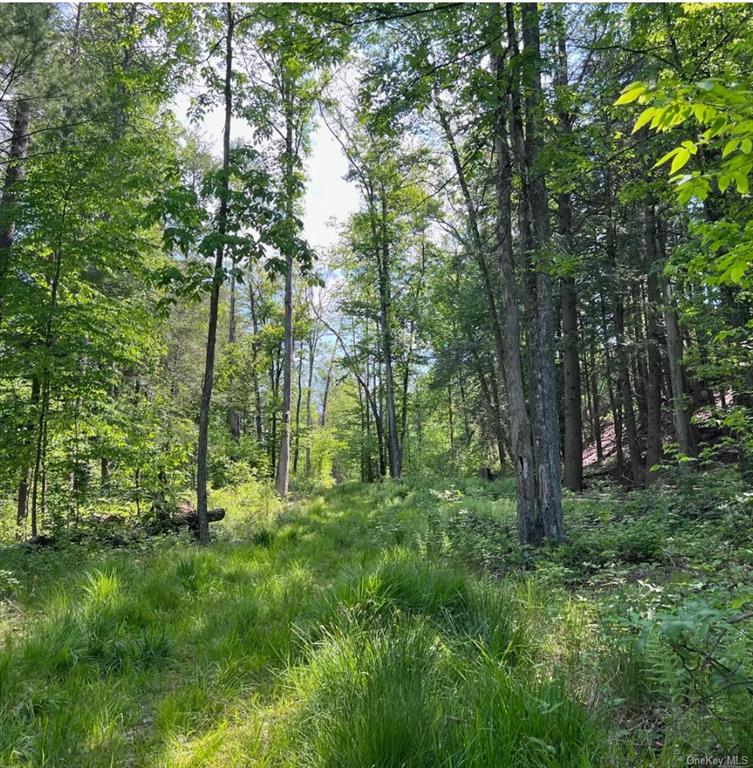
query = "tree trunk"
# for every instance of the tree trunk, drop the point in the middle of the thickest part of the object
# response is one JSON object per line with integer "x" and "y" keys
{"x": 363, "y": 415}
{"x": 451, "y": 422}
{"x": 595, "y": 404}
{"x": 520, "y": 428}
{"x": 626, "y": 395}
{"x": 385, "y": 301}
{"x": 535, "y": 234}
{"x": 234, "y": 416}
{"x": 299, "y": 398}
{"x": 653, "y": 352}
{"x": 313, "y": 343}
{"x": 283, "y": 465}
{"x": 677, "y": 375}
{"x": 14, "y": 175}
{"x": 573, "y": 474}
{"x": 258, "y": 415}
{"x": 24, "y": 487}
{"x": 214, "y": 299}
{"x": 573, "y": 443}
{"x": 274, "y": 374}
{"x": 325, "y": 395}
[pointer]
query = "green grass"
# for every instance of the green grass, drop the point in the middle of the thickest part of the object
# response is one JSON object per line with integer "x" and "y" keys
{"x": 391, "y": 626}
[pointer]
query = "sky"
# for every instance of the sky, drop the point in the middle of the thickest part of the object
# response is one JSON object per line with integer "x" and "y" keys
{"x": 328, "y": 196}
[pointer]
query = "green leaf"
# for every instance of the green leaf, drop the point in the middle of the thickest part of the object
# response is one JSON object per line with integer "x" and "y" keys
{"x": 630, "y": 94}
{"x": 746, "y": 145}
{"x": 729, "y": 147}
{"x": 741, "y": 180}
{"x": 681, "y": 159}
{"x": 644, "y": 118}
{"x": 703, "y": 112}
{"x": 666, "y": 158}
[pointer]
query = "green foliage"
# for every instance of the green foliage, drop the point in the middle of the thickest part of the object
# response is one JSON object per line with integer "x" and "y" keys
{"x": 718, "y": 108}
{"x": 369, "y": 626}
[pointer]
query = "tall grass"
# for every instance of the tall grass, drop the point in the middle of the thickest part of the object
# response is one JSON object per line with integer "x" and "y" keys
{"x": 405, "y": 696}
{"x": 366, "y": 628}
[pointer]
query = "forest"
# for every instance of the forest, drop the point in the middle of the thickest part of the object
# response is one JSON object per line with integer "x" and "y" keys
{"x": 376, "y": 385}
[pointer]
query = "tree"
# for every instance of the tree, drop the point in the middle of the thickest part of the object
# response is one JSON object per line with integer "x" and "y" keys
{"x": 217, "y": 279}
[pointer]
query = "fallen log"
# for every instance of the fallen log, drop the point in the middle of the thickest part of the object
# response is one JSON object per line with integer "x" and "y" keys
{"x": 183, "y": 516}
{"x": 192, "y": 518}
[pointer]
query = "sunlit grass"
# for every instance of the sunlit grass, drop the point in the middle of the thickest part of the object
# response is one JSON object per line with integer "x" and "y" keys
{"x": 392, "y": 625}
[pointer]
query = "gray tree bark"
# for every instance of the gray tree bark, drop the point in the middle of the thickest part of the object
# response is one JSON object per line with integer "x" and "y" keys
{"x": 653, "y": 352}
{"x": 535, "y": 234}
{"x": 573, "y": 442}
{"x": 283, "y": 465}
{"x": 520, "y": 427}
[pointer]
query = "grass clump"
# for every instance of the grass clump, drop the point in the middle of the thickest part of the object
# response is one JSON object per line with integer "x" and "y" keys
{"x": 408, "y": 696}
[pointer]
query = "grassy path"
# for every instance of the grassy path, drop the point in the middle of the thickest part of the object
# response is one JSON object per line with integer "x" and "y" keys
{"x": 363, "y": 627}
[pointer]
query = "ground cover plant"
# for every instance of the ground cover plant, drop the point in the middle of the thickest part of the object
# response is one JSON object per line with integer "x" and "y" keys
{"x": 390, "y": 625}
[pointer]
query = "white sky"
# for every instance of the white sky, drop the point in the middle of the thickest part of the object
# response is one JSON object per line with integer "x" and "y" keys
{"x": 328, "y": 196}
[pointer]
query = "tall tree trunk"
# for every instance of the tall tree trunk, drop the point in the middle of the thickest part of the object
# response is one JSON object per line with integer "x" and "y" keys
{"x": 639, "y": 367}
{"x": 573, "y": 464}
{"x": 40, "y": 469}
{"x": 535, "y": 234}
{"x": 520, "y": 428}
{"x": 595, "y": 404}
{"x": 275, "y": 373}
{"x": 309, "y": 417}
{"x": 384, "y": 461}
{"x": 653, "y": 352}
{"x": 451, "y": 421}
{"x": 363, "y": 415}
{"x": 214, "y": 299}
{"x": 385, "y": 311}
{"x": 299, "y": 398}
{"x": 233, "y": 416}
{"x": 24, "y": 485}
{"x": 14, "y": 175}
{"x": 325, "y": 394}
{"x": 258, "y": 415}
{"x": 680, "y": 408}
{"x": 626, "y": 395}
{"x": 573, "y": 442}
{"x": 283, "y": 465}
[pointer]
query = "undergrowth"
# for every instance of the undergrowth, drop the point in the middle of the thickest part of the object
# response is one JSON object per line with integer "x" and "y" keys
{"x": 394, "y": 625}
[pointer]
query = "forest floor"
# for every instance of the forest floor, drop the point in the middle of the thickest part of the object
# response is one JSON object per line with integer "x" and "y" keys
{"x": 390, "y": 625}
